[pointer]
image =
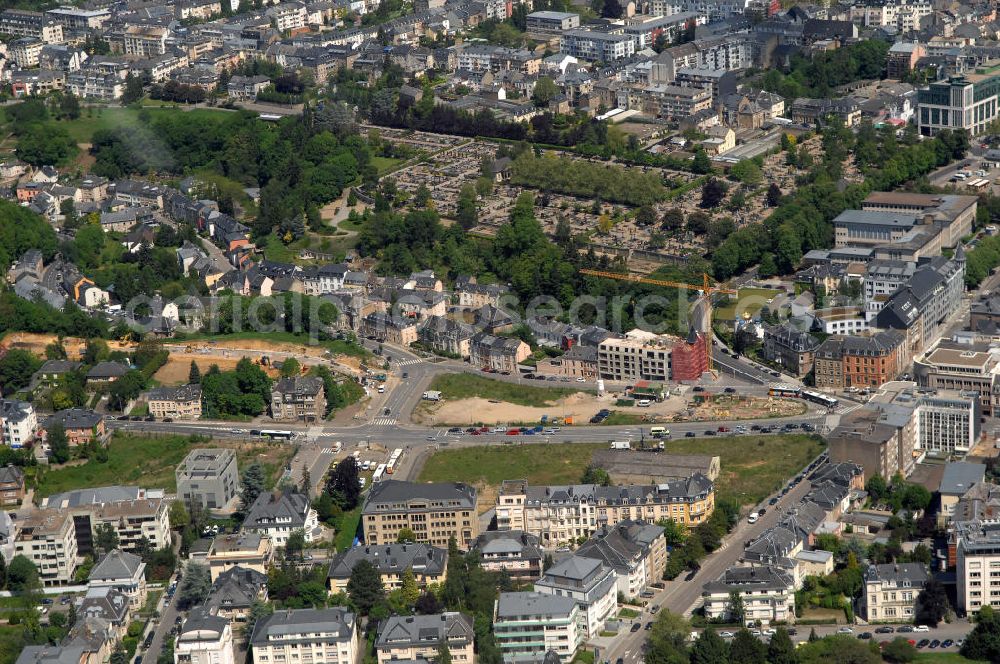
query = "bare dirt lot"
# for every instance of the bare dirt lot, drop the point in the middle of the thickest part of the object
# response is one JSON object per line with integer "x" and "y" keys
{"x": 36, "y": 343}
{"x": 178, "y": 367}
{"x": 581, "y": 407}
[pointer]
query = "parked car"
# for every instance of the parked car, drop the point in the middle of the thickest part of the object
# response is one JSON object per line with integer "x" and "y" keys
{"x": 635, "y": 627}
{"x": 845, "y": 630}
{"x": 921, "y": 628}
{"x": 884, "y": 630}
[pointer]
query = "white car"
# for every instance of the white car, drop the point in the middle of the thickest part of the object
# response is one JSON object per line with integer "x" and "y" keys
{"x": 847, "y": 630}
{"x": 581, "y": 379}
{"x": 769, "y": 632}
{"x": 752, "y": 518}
{"x": 921, "y": 628}
{"x": 361, "y": 482}
{"x": 726, "y": 635}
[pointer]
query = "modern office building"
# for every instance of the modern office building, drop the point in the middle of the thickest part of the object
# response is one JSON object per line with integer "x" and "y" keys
{"x": 208, "y": 478}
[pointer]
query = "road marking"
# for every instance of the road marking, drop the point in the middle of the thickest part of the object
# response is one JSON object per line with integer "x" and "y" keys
{"x": 383, "y": 421}
{"x": 407, "y": 363}
{"x": 327, "y": 450}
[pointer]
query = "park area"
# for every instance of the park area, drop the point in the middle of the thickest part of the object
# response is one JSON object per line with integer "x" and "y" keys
{"x": 151, "y": 461}
{"x": 752, "y": 466}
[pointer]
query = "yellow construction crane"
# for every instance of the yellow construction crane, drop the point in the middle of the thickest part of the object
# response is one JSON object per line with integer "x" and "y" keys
{"x": 707, "y": 290}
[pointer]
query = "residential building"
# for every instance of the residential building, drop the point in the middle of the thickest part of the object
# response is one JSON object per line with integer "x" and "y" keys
{"x": 882, "y": 279}
{"x": 881, "y": 442}
{"x": 53, "y": 655}
{"x": 577, "y": 362}
{"x": 21, "y": 23}
{"x": 328, "y": 635}
{"x": 793, "y": 349}
{"x": 948, "y": 423}
{"x": 529, "y": 625}
{"x": 145, "y": 41}
{"x": 958, "y": 479}
{"x": 82, "y": 426}
{"x": 817, "y": 111}
{"x": 891, "y": 590}
{"x": 923, "y": 306}
{"x": 977, "y": 566}
{"x": 53, "y": 372}
{"x": 48, "y": 539}
{"x": 298, "y": 398}
{"x": 389, "y": 329}
{"x": 640, "y": 355}
{"x": 18, "y": 422}
{"x": 235, "y": 592}
{"x": 204, "y": 638}
{"x": 248, "y": 551}
{"x": 179, "y": 403}
{"x": 277, "y": 515}
{"x": 434, "y": 512}
{"x": 562, "y": 514}
{"x": 428, "y": 564}
{"x": 208, "y": 478}
{"x": 105, "y": 373}
{"x": 667, "y": 101}
{"x": 768, "y": 595}
{"x": 589, "y": 582}
{"x": 636, "y": 551}
{"x": 596, "y": 46}
{"x": 11, "y": 486}
{"x": 855, "y": 361}
{"x": 552, "y": 23}
{"x": 419, "y": 638}
{"x": 513, "y": 551}
{"x": 445, "y": 335}
{"x": 123, "y": 572}
{"x": 499, "y": 354}
{"x": 134, "y": 513}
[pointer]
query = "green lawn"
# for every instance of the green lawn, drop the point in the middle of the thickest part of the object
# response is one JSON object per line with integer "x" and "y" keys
{"x": 464, "y": 386}
{"x": 347, "y": 528}
{"x": 620, "y": 419}
{"x": 385, "y": 164}
{"x": 942, "y": 658}
{"x": 752, "y": 466}
{"x": 150, "y": 461}
{"x": 11, "y": 643}
{"x": 750, "y": 300}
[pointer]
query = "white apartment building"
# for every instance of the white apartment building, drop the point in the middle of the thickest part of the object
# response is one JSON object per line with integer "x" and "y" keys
{"x": 48, "y": 539}
{"x": 204, "y": 639}
{"x": 891, "y": 591}
{"x": 596, "y": 46}
{"x": 302, "y": 635}
{"x": 288, "y": 16}
{"x": 590, "y": 583}
{"x": 26, "y": 51}
{"x": 18, "y": 422}
{"x": 527, "y": 625}
{"x": 948, "y": 422}
{"x": 904, "y": 16}
{"x": 145, "y": 41}
{"x": 977, "y": 565}
{"x": 21, "y": 23}
{"x": 882, "y": 279}
{"x": 768, "y": 594}
{"x": 124, "y": 572}
{"x": 133, "y": 512}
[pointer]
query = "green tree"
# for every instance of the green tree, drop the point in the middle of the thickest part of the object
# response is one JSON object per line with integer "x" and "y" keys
{"x": 443, "y": 653}
{"x": 736, "y": 608}
{"x": 252, "y": 485}
{"x": 16, "y": 369}
{"x": 544, "y": 92}
{"x": 365, "y": 587}
{"x": 105, "y": 538}
{"x": 709, "y": 648}
{"x": 668, "y": 639}
{"x": 58, "y": 443}
{"x": 899, "y": 651}
{"x": 982, "y": 643}
{"x": 45, "y": 144}
{"x": 876, "y": 487}
{"x": 343, "y": 485}
{"x": 701, "y": 164}
{"x": 773, "y": 196}
{"x": 467, "y": 213}
{"x": 596, "y": 475}
{"x": 22, "y": 575}
{"x": 780, "y": 649}
{"x": 133, "y": 89}
{"x": 406, "y": 535}
{"x": 698, "y": 222}
{"x": 747, "y": 171}
{"x": 932, "y": 604}
{"x": 712, "y": 193}
{"x": 194, "y": 374}
{"x": 673, "y": 219}
{"x": 838, "y": 649}
{"x": 295, "y": 544}
{"x": 747, "y": 649}
{"x": 409, "y": 588}
{"x": 291, "y": 367}
{"x": 196, "y": 586}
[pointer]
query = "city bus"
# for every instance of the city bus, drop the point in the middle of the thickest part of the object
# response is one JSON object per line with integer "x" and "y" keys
{"x": 281, "y": 434}
{"x": 379, "y": 473}
{"x": 659, "y": 432}
{"x": 783, "y": 391}
{"x": 821, "y": 399}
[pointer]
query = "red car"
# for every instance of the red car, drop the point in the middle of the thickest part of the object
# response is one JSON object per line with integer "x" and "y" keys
{"x": 513, "y": 432}
{"x": 475, "y": 432}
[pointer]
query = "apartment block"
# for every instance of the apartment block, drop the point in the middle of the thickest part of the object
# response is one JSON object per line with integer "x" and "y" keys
{"x": 891, "y": 591}
{"x": 588, "y": 581}
{"x": 856, "y": 361}
{"x": 21, "y": 23}
{"x": 204, "y": 638}
{"x": 793, "y": 349}
{"x": 249, "y": 551}
{"x": 134, "y": 513}
{"x": 124, "y": 572}
{"x": 553, "y": 23}
{"x": 418, "y": 638}
{"x": 528, "y": 625}
{"x": 11, "y": 486}
{"x": 636, "y": 551}
{"x": 278, "y": 514}
{"x": 298, "y": 398}
{"x": 768, "y": 594}
{"x": 562, "y": 514}
{"x": 596, "y": 46}
{"x": 208, "y": 478}
{"x": 179, "y": 403}
{"x": 499, "y": 354}
{"x": 18, "y": 423}
{"x": 977, "y": 567}
{"x": 639, "y": 355}
{"x": 320, "y": 635}
{"x": 429, "y": 564}
{"x": 515, "y": 552}
{"x": 434, "y": 512}
{"x": 48, "y": 539}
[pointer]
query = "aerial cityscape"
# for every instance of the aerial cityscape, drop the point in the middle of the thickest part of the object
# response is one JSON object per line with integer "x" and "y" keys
{"x": 499, "y": 332}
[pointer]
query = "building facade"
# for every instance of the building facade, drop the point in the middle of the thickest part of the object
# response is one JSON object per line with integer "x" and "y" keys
{"x": 208, "y": 478}
{"x": 434, "y": 512}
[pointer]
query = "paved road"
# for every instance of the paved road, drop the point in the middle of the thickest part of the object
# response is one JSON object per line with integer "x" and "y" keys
{"x": 168, "y": 614}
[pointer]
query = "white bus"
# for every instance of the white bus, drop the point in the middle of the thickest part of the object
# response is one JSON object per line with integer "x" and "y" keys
{"x": 379, "y": 473}
{"x": 274, "y": 433}
{"x": 659, "y": 432}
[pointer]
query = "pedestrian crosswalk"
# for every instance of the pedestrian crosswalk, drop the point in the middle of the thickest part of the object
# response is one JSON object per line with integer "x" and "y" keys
{"x": 327, "y": 450}
{"x": 406, "y": 363}
{"x": 383, "y": 421}
{"x": 848, "y": 407}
